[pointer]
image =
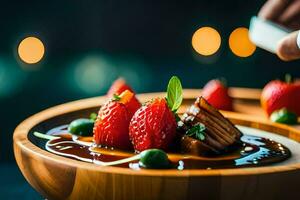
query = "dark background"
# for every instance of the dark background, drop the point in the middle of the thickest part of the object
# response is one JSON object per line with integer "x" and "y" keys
{"x": 90, "y": 43}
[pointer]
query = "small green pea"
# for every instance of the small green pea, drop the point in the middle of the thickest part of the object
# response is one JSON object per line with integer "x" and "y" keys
{"x": 81, "y": 127}
{"x": 284, "y": 116}
{"x": 154, "y": 159}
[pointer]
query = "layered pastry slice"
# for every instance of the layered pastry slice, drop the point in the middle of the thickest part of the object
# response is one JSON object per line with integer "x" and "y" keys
{"x": 206, "y": 130}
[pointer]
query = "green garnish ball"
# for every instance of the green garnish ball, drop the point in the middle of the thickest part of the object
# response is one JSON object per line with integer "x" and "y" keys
{"x": 154, "y": 159}
{"x": 284, "y": 116}
{"x": 81, "y": 127}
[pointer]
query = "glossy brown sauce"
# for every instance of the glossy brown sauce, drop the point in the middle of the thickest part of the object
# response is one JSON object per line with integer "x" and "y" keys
{"x": 256, "y": 151}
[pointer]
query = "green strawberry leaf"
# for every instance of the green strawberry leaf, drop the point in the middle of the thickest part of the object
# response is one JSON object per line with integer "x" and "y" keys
{"x": 288, "y": 78}
{"x": 93, "y": 116}
{"x": 284, "y": 116}
{"x": 174, "y": 93}
{"x": 116, "y": 97}
{"x": 223, "y": 81}
{"x": 197, "y": 131}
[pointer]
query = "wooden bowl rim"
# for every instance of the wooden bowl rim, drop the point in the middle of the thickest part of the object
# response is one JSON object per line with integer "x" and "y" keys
{"x": 21, "y": 141}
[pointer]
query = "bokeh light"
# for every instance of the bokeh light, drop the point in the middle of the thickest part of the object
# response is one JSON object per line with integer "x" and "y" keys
{"x": 92, "y": 74}
{"x": 136, "y": 72}
{"x": 240, "y": 43}
{"x": 31, "y": 50}
{"x": 206, "y": 41}
{"x": 11, "y": 77}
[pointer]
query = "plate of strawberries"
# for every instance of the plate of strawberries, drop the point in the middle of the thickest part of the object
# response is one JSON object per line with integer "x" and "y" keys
{"x": 153, "y": 146}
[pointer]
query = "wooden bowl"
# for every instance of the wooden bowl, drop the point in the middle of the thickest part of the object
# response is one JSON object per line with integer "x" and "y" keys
{"x": 57, "y": 177}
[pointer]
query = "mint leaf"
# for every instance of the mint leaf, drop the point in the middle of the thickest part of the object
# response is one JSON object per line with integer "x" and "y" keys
{"x": 197, "y": 131}
{"x": 200, "y": 135}
{"x": 177, "y": 117}
{"x": 174, "y": 93}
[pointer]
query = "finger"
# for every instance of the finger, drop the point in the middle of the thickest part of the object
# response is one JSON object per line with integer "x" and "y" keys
{"x": 291, "y": 12}
{"x": 288, "y": 48}
{"x": 272, "y": 9}
{"x": 294, "y": 24}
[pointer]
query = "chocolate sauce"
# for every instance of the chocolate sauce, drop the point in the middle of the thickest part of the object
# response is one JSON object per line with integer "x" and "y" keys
{"x": 256, "y": 151}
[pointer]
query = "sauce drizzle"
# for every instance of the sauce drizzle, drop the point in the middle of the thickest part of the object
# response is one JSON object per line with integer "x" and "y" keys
{"x": 256, "y": 151}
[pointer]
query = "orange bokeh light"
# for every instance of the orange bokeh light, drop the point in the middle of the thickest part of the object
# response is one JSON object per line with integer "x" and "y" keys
{"x": 240, "y": 44}
{"x": 206, "y": 41}
{"x": 31, "y": 50}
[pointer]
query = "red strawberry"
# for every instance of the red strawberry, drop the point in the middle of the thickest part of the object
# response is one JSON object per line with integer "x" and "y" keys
{"x": 216, "y": 93}
{"x": 279, "y": 94}
{"x": 111, "y": 125}
{"x": 120, "y": 86}
{"x": 133, "y": 105}
{"x": 152, "y": 126}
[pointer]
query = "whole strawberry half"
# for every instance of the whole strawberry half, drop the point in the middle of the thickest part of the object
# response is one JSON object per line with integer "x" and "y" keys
{"x": 111, "y": 125}
{"x": 120, "y": 86}
{"x": 216, "y": 93}
{"x": 152, "y": 126}
{"x": 279, "y": 94}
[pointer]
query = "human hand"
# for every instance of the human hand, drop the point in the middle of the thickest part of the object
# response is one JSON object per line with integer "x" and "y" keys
{"x": 286, "y": 13}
